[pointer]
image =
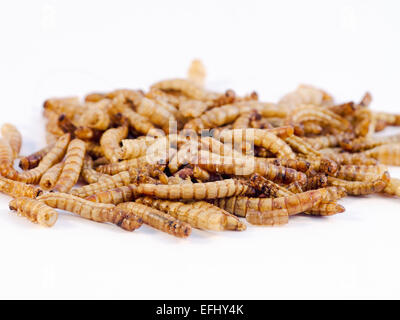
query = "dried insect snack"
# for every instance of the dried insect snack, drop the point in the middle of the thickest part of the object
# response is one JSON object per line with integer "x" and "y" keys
{"x": 35, "y": 211}
{"x": 72, "y": 166}
{"x": 157, "y": 219}
{"x": 98, "y": 212}
{"x": 14, "y": 138}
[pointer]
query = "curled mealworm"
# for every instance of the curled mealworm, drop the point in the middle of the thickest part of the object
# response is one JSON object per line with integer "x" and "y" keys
{"x": 116, "y": 181}
{"x": 99, "y": 212}
{"x": 196, "y": 191}
{"x": 110, "y": 142}
{"x": 157, "y": 219}
{"x": 35, "y": 211}
{"x": 72, "y": 166}
{"x": 18, "y": 189}
{"x": 13, "y": 137}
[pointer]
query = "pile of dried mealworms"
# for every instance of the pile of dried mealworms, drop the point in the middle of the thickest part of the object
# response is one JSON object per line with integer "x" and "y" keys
{"x": 180, "y": 156}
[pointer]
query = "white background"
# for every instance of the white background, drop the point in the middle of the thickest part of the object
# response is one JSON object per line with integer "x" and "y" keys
{"x": 57, "y": 48}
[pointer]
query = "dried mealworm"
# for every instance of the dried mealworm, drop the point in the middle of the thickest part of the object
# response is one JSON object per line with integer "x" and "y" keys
{"x": 320, "y": 115}
{"x": 114, "y": 168}
{"x": 304, "y": 94}
{"x": 32, "y": 161}
{"x": 68, "y": 106}
{"x": 197, "y": 72}
{"x": 214, "y": 118}
{"x": 362, "y": 143}
{"x": 196, "y": 191}
{"x": 110, "y": 142}
{"x": 138, "y": 122}
{"x": 50, "y": 177}
{"x": 201, "y": 215}
{"x": 190, "y": 108}
{"x": 96, "y": 115}
{"x": 116, "y": 181}
{"x": 134, "y": 148}
{"x": 269, "y": 209}
{"x": 115, "y": 196}
{"x": 328, "y": 141}
{"x": 311, "y": 127}
{"x": 297, "y": 164}
{"x": 35, "y": 211}
{"x": 393, "y": 187}
{"x": 260, "y": 137}
{"x": 94, "y": 97}
{"x": 244, "y": 120}
{"x": 349, "y": 158}
{"x": 158, "y": 219}
{"x": 326, "y": 209}
{"x": 282, "y": 206}
{"x": 389, "y": 118}
{"x": 6, "y": 160}
{"x": 361, "y": 172}
{"x": 357, "y": 188}
{"x": 13, "y": 136}
{"x": 246, "y": 166}
{"x": 72, "y": 166}
{"x": 186, "y": 87}
{"x": 99, "y": 212}
{"x": 158, "y": 115}
{"x": 267, "y": 187}
{"x": 54, "y": 156}
{"x": 387, "y": 154}
{"x": 302, "y": 146}
{"x": 18, "y": 189}
{"x": 324, "y": 165}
